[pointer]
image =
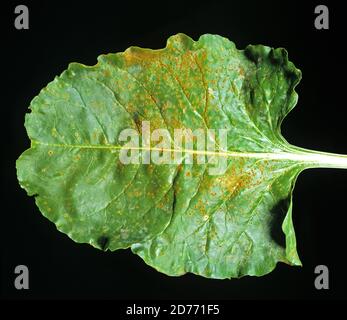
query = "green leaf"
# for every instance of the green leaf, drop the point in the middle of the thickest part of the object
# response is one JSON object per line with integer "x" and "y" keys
{"x": 177, "y": 217}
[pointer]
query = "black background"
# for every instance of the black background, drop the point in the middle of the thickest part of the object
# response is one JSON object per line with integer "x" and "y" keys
{"x": 80, "y": 31}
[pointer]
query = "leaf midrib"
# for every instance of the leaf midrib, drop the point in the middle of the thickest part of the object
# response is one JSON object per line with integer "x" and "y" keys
{"x": 304, "y": 157}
